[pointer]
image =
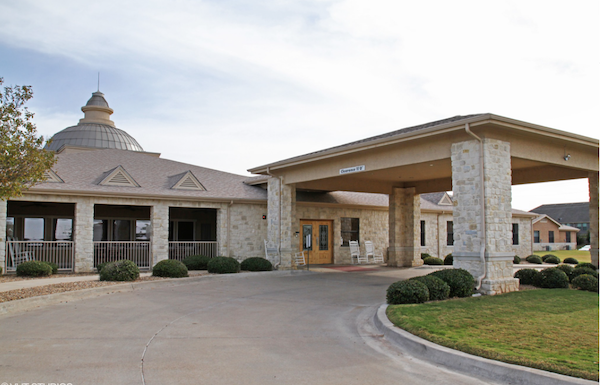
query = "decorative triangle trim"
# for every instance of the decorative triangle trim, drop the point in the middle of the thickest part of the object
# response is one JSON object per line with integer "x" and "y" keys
{"x": 445, "y": 201}
{"x": 188, "y": 182}
{"x": 52, "y": 177}
{"x": 119, "y": 177}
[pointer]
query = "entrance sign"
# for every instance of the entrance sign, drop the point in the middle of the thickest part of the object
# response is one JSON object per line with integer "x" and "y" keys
{"x": 352, "y": 169}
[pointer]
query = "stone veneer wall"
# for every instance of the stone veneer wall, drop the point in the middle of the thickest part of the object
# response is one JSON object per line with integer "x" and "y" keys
{"x": 525, "y": 246}
{"x": 594, "y": 202}
{"x": 3, "y": 209}
{"x": 436, "y": 234}
{"x": 372, "y": 227}
{"x": 248, "y": 230}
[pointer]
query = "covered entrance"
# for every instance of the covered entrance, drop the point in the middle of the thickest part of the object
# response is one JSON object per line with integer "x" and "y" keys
{"x": 317, "y": 241}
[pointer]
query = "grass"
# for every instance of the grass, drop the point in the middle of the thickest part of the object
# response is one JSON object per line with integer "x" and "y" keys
{"x": 581, "y": 256}
{"x": 550, "y": 329}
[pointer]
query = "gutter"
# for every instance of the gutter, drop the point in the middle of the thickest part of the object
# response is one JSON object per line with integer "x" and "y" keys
{"x": 279, "y": 216}
{"x": 482, "y": 200}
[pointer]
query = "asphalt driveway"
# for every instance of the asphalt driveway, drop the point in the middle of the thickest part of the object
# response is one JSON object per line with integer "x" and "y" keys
{"x": 261, "y": 328}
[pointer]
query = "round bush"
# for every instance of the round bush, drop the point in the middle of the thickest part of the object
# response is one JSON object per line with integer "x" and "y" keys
{"x": 425, "y": 255}
{"x": 552, "y": 259}
{"x": 449, "y": 259}
{"x": 516, "y": 260}
{"x": 525, "y": 276}
{"x": 223, "y": 265}
{"x": 54, "y": 267}
{"x": 100, "y": 266}
{"x": 410, "y": 291}
{"x": 534, "y": 259}
{"x": 33, "y": 269}
{"x": 433, "y": 261}
{"x": 583, "y": 270}
{"x": 587, "y": 265}
{"x": 551, "y": 278}
{"x": 438, "y": 289}
{"x": 461, "y": 282}
{"x": 586, "y": 282}
{"x": 547, "y": 256}
{"x": 571, "y": 260}
{"x": 123, "y": 270}
{"x": 256, "y": 264}
{"x": 568, "y": 269}
{"x": 170, "y": 268}
{"x": 196, "y": 262}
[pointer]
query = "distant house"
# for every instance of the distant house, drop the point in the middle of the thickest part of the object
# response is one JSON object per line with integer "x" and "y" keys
{"x": 549, "y": 234}
{"x": 569, "y": 214}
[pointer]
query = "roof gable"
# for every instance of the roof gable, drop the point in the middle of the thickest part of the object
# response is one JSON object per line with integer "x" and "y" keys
{"x": 119, "y": 177}
{"x": 188, "y": 181}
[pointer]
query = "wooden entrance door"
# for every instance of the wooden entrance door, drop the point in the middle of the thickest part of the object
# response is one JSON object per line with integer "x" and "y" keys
{"x": 317, "y": 241}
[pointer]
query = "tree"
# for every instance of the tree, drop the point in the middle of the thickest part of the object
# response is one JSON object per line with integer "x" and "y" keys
{"x": 23, "y": 160}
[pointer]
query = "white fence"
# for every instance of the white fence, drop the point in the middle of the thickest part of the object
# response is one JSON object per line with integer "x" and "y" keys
{"x": 137, "y": 251}
{"x": 59, "y": 252}
{"x": 180, "y": 250}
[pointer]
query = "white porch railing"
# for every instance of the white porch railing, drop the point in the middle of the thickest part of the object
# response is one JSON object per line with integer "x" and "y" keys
{"x": 180, "y": 250}
{"x": 59, "y": 252}
{"x": 137, "y": 251}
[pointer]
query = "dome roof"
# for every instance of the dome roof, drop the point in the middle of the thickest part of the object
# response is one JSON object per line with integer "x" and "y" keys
{"x": 95, "y": 130}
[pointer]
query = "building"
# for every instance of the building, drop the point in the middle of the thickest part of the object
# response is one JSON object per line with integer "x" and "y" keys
{"x": 569, "y": 214}
{"x": 107, "y": 199}
{"x": 549, "y": 234}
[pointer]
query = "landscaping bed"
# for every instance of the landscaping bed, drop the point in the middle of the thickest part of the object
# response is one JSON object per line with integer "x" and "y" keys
{"x": 549, "y": 329}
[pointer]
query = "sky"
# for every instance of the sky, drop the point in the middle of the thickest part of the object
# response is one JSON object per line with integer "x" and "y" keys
{"x": 232, "y": 85}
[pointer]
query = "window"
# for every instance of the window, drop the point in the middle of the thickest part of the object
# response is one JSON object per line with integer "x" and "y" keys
{"x": 536, "y": 236}
{"x": 422, "y": 233}
{"x": 142, "y": 230}
{"x": 10, "y": 227}
{"x": 34, "y": 229}
{"x": 350, "y": 230}
{"x": 63, "y": 229}
{"x": 550, "y": 236}
{"x": 568, "y": 237}
{"x": 515, "y": 233}
{"x": 449, "y": 233}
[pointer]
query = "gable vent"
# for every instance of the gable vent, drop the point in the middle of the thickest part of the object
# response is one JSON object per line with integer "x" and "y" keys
{"x": 52, "y": 177}
{"x": 119, "y": 177}
{"x": 188, "y": 182}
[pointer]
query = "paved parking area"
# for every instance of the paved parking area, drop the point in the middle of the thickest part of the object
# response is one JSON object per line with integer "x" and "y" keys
{"x": 255, "y": 328}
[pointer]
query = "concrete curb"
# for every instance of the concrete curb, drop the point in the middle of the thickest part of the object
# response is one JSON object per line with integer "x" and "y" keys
{"x": 467, "y": 363}
{"x": 22, "y": 305}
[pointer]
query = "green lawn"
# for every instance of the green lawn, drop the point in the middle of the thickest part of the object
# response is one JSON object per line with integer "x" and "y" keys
{"x": 549, "y": 329}
{"x": 581, "y": 256}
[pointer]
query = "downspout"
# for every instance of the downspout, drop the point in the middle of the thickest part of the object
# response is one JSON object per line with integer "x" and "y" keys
{"x": 279, "y": 217}
{"x": 229, "y": 229}
{"x": 482, "y": 200}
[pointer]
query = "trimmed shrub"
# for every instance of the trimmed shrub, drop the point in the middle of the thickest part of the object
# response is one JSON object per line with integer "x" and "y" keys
{"x": 1, "y": 270}
{"x": 534, "y": 259}
{"x": 123, "y": 270}
{"x": 53, "y": 266}
{"x": 571, "y": 260}
{"x": 425, "y": 255}
{"x": 449, "y": 259}
{"x": 223, "y": 265}
{"x": 551, "y": 278}
{"x": 525, "y": 276}
{"x": 547, "y": 256}
{"x": 256, "y": 264}
{"x": 33, "y": 269}
{"x": 586, "y": 265}
{"x": 100, "y": 266}
{"x": 568, "y": 269}
{"x": 438, "y": 289}
{"x": 583, "y": 270}
{"x": 196, "y": 262}
{"x": 552, "y": 259}
{"x": 170, "y": 268}
{"x": 410, "y": 291}
{"x": 586, "y": 282}
{"x": 516, "y": 260}
{"x": 461, "y": 282}
{"x": 433, "y": 261}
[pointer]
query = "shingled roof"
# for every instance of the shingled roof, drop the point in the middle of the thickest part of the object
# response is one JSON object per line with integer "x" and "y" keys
{"x": 566, "y": 212}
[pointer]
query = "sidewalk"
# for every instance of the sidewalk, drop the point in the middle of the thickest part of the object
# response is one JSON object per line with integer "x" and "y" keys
{"x": 27, "y": 283}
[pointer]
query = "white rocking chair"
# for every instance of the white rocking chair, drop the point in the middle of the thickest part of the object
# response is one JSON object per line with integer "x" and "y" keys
{"x": 16, "y": 255}
{"x": 370, "y": 251}
{"x": 299, "y": 259}
{"x": 355, "y": 253}
{"x": 272, "y": 254}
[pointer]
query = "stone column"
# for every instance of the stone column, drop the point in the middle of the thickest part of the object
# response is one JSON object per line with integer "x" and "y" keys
{"x": 223, "y": 232}
{"x": 84, "y": 235}
{"x": 404, "y": 231}
{"x": 3, "y": 212}
{"x": 282, "y": 225}
{"x": 593, "y": 228}
{"x": 468, "y": 231}
{"x": 159, "y": 216}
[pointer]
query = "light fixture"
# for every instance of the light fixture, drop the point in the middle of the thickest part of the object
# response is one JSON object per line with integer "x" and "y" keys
{"x": 567, "y": 157}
